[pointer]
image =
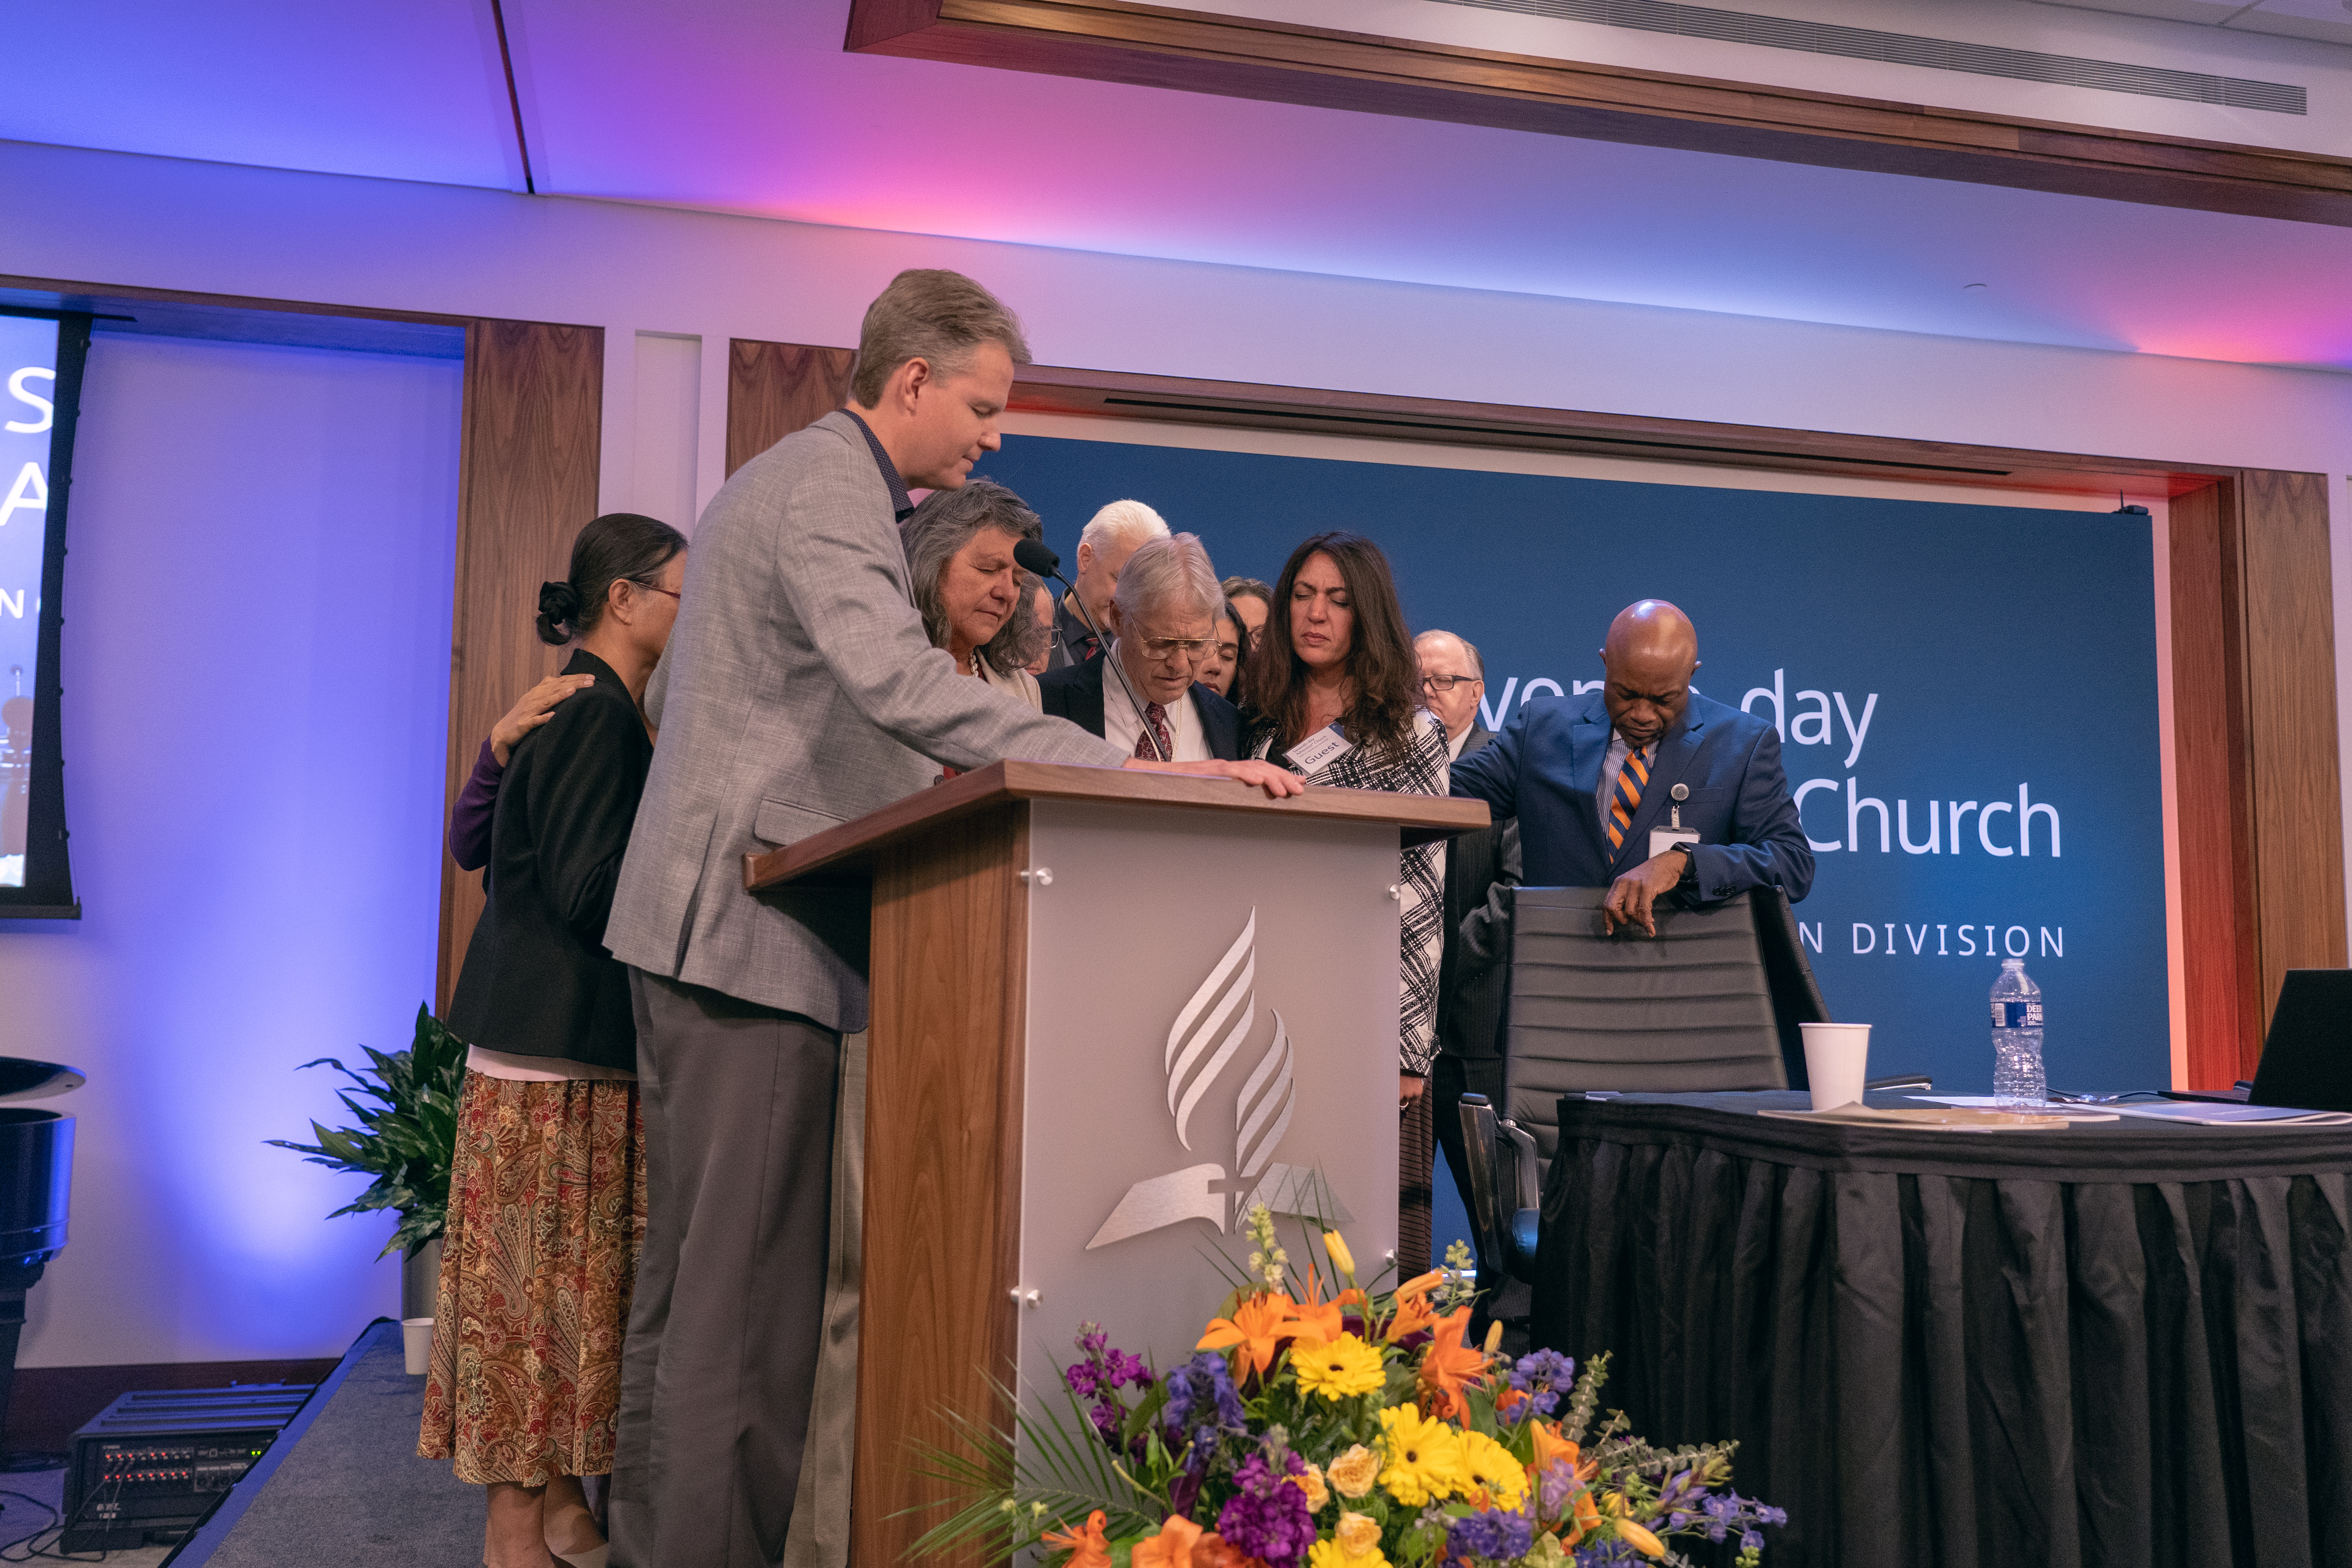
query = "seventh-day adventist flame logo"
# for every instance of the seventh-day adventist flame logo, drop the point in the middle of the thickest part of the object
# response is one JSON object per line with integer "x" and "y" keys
{"x": 1209, "y": 1030}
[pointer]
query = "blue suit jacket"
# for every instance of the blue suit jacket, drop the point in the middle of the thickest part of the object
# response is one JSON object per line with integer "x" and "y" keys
{"x": 1546, "y": 771}
{"x": 1074, "y": 692}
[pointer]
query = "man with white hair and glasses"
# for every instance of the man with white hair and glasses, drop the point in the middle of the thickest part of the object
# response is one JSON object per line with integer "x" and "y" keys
{"x": 1161, "y": 617}
{"x": 1110, "y": 536}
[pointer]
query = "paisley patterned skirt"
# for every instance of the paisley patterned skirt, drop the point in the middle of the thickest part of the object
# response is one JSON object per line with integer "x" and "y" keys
{"x": 547, "y": 1209}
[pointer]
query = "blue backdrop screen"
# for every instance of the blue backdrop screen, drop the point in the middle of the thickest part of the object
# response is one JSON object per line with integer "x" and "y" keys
{"x": 1967, "y": 699}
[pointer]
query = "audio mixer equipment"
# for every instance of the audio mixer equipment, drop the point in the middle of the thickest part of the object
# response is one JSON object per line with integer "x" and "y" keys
{"x": 150, "y": 1466}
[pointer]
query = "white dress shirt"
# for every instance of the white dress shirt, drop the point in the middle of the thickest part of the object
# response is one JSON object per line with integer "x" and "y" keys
{"x": 1123, "y": 724}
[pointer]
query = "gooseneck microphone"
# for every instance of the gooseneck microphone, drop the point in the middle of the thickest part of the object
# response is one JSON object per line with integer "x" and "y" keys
{"x": 1031, "y": 555}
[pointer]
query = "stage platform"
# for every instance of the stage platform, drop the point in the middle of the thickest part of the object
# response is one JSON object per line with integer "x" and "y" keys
{"x": 343, "y": 1485}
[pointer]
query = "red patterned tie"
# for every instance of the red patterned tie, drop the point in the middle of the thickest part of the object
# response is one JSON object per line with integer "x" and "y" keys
{"x": 1155, "y": 719}
{"x": 1632, "y": 779}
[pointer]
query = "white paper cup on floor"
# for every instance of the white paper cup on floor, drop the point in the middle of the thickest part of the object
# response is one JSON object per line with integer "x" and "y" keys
{"x": 1837, "y": 1059}
{"x": 416, "y": 1343}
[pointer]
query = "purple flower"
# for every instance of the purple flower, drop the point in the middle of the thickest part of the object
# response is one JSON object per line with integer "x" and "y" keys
{"x": 1751, "y": 1541}
{"x": 1497, "y": 1535}
{"x": 1267, "y": 1518}
{"x": 1201, "y": 1396}
{"x": 1554, "y": 1488}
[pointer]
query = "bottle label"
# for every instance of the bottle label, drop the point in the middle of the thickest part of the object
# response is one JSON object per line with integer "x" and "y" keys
{"x": 2017, "y": 1015}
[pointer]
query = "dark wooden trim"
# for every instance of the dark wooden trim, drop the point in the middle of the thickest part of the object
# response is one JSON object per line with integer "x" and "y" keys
{"x": 1194, "y": 51}
{"x": 774, "y": 389}
{"x": 47, "y": 1403}
{"x": 855, "y": 845}
{"x": 2290, "y": 703}
{"x": 946, "y": 1052}
{"x": 1055, "y": 389}
{"x": 228, "y": 301}
{"x": 2213, "y": 774}
{"x": 527, "y": 481}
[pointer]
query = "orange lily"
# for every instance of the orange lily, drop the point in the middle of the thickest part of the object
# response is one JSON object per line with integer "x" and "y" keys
{"x": 1420, "y": 1285}
{"x": 1317, "y": 1322}
{"x": 1551, "y": 1447}
{"x": 1412, "y": 1315}
{"x": 1172, "y": 1548}
{"x": 1088, "y": 1547}
{"x": 1639, "y": 1539}
{"x": 1448, "y": 1367}
{"x": 1256, "y": 1329}
{"x": 1213, "y": 1551}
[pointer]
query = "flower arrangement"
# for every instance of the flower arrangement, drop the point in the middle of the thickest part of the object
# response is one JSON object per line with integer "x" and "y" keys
{"x": 1361, "y": 1431}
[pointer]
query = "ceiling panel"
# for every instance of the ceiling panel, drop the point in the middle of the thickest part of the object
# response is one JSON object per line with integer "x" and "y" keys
{"x": 752, "y": 106}
{"x": 355, "y": 87}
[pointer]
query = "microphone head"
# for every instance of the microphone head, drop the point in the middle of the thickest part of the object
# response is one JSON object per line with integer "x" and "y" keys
{"x": 1033, "y": 556}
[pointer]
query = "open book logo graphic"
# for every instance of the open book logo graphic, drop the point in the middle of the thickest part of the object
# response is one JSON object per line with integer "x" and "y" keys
{"x": 1210, "y": 1031}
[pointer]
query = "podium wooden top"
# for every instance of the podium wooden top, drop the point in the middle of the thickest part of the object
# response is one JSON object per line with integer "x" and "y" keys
{"x": 849, "y": 847}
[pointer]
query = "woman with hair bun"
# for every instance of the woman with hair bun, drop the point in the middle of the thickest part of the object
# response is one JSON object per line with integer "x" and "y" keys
{"x": 547, "y": 1190}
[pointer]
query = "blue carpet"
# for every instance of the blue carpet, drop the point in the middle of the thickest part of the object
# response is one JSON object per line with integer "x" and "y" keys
{"x": 345, "y": 1485}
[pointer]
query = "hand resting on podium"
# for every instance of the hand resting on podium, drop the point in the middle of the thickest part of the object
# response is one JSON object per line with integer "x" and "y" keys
{"x": 1277, "y": 783}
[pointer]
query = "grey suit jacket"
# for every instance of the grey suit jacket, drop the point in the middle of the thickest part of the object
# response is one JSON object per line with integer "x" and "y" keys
{"x": 800, "y": 692}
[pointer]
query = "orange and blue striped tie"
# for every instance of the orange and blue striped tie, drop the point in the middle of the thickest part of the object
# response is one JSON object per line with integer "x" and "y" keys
{"x": 1632, "y": 779}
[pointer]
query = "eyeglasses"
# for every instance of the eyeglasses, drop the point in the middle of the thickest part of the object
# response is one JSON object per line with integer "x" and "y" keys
{"x": 654, "y": 588}
{"x": 1441, "y": 684}
{"x": 1173, "y": 648}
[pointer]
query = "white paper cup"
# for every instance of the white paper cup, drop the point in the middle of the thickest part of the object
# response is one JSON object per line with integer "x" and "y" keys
{"x": 416, "y": 1344}
{"x": 1837, "y": 1059}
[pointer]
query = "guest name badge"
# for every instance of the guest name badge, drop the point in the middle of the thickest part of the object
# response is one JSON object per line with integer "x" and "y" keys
{"x": 1320, "y": 747}
{"x": 1665, "y": 838}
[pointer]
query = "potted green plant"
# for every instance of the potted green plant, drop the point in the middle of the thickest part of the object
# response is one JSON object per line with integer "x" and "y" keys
{"x": 406, "y": 1140}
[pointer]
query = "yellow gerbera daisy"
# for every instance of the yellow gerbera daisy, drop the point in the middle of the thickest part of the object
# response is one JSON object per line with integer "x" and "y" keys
{"x": 1338, "y": 1369}
{"x": 1424, "y": 1457}
{"x": 1492, "y": 1467}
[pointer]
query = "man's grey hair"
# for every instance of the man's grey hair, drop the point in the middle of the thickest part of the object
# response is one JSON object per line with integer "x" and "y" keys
{"x": 1171, "y": 574}
{"x": 1477, "y": 665}
{"x": 1129, "y": 521}
{"x": 943, "y": 525}
{"x": 933, "y": 315}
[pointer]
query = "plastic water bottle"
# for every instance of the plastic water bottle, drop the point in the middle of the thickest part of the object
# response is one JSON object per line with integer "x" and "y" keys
{"x": 2017, "y": 1079}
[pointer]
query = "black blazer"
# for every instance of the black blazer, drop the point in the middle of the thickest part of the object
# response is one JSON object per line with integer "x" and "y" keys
{"x": 538, "y": 981}
{"x": 1074, "y": 692}
{"x": 1470, "y": 987}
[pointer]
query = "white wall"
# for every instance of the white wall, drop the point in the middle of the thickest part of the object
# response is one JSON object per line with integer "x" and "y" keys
{"x": 256, "y": 658}
{"x": 125, "y": 220}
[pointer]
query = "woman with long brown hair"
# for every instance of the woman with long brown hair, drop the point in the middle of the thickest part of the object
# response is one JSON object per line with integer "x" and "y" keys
{"x": 1337, "y": 694}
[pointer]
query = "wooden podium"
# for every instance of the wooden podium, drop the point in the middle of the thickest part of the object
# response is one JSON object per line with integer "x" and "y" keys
{"x": 1111, "y": 1009}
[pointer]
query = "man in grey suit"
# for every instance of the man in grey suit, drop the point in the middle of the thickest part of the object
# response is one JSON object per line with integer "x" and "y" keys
{"x": 801, "y": 693}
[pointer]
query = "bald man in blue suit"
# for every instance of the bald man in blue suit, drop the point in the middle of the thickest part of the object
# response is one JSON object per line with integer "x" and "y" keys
{"x": 1590, "y": 777}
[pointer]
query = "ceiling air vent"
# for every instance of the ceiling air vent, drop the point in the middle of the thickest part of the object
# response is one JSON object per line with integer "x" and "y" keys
{"x": 1905, "y": 49}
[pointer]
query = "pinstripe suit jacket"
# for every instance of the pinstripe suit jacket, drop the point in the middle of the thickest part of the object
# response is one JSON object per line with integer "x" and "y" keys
{"x": 800, "y": 692}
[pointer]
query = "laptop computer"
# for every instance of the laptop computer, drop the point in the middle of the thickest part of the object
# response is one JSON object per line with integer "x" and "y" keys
{"x": 2307, "y": 1055}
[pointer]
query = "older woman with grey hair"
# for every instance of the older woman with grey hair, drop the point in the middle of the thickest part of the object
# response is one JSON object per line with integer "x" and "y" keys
{"x": 974, "y": 601}
{"x": 1145, "y": 694}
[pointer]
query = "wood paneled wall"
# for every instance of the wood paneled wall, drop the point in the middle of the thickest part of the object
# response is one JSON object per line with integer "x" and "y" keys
{"x": 2261, "y": 829}
{"x": 2212, "y": 786}
{"x": 774, "y": 389}
{"x": 527, "y": 482}
{"x": 2290, "y": 699}
{"x": 2262, "y": 846}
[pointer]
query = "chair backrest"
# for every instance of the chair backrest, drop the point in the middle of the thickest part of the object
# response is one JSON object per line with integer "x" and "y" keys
{"x": 1689, "y": 1010}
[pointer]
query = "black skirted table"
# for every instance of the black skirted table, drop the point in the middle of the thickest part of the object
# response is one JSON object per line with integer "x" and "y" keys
{"x": 2119, "y": 1344}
